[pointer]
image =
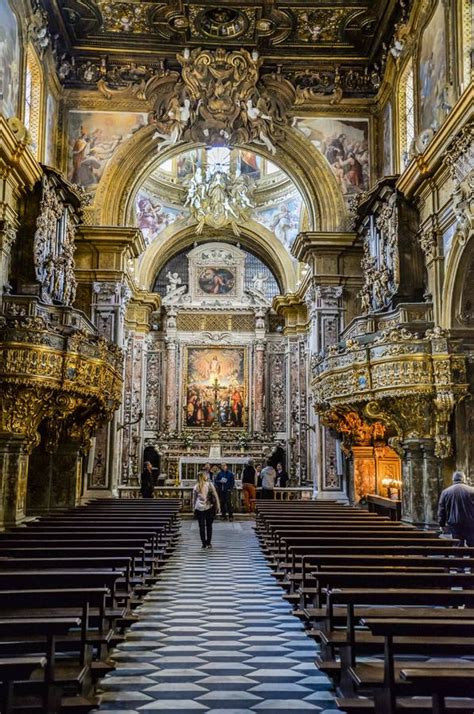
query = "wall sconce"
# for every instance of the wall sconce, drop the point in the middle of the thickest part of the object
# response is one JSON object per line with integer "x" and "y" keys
{"x": 303, "y": 424}
{"x": 131, "y": 423}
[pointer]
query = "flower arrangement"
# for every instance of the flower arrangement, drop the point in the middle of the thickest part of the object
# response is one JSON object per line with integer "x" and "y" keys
{"x": 188, "y": 440}
{"x": 243, "y": 439}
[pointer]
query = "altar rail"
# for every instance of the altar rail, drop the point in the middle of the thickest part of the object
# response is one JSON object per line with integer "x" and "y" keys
{"x": 184, "y": 493}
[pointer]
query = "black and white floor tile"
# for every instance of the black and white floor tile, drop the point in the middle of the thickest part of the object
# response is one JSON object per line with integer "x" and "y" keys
{"x": 216, "y": 636}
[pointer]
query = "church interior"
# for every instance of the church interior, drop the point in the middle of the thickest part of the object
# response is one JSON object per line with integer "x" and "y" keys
{"x": 234, "y": 231}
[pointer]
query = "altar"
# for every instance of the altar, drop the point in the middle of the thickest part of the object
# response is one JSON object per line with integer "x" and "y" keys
{"x": 189, "y": 467}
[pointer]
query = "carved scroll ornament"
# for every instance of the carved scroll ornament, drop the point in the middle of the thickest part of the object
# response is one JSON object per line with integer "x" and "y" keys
{"x": 219, "y": 99}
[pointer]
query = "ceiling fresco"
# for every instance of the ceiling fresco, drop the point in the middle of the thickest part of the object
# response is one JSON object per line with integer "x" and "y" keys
{"x": 317, "y": 44}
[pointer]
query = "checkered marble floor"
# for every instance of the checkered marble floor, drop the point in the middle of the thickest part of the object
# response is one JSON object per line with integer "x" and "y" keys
{"x": 216, "y": 636}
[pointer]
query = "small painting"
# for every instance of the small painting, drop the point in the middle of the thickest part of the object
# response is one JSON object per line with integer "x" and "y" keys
{"x": 387, "y": 167}
{"x": 51, "y": 130}
{"x": 153, "y": 216}
{"x": 250, "y": 164}
{"x": 187, "y": 163}
{"x": 93, "y": 139}
{"x": 433, "y": 84}
{"x": 345, "y": 144}
{"x": 282, "y": 219}
{"x": 217, "y": 281}
{"x": 215, "y": 387}
{"x": 9, "y": 61}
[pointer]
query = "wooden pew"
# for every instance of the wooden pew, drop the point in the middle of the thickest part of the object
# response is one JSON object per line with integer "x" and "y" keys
{"x": 12, "y": 669}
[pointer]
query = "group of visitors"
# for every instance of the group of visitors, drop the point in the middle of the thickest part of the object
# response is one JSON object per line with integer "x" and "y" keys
{"x": 212, "y": 494}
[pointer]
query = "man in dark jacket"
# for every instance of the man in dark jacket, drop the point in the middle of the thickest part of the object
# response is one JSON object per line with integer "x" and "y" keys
{"x": 146, "y": 480}
{"x": 456, "y": 509}
{"x": 225, "y": 482}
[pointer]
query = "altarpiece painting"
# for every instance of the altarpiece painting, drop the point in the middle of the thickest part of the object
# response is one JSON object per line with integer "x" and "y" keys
{"x": 216, "y": 387}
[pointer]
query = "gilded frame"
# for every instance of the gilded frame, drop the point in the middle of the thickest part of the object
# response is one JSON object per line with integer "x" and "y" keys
{"x": 185, "y": 383}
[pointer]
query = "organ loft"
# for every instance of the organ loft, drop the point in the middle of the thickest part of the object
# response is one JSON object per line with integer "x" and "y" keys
{"x": 236, "y": 278}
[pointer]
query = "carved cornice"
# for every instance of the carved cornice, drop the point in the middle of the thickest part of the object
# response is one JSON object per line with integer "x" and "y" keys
{"x": 139, "y": 310}
{"x": 309, "y": 244}
{"x": 18, "y": 167}
{"x": 293, "y": 308}
{"x": 426, "y": 164}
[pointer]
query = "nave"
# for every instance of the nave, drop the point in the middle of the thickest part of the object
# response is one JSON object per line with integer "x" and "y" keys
{"x": 216, "y": 635}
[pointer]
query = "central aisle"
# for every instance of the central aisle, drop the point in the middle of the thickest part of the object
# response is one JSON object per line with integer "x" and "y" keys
{"x": 216, "y": 636}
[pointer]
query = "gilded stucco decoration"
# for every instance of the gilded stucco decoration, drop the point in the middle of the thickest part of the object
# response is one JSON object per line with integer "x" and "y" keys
{"x": 124, "y": 16}
{"x": 70, "y": 381}
{"x": 218, "y": 99}
{"x": 324, "y": 25}
{"x": 400, "y": 372}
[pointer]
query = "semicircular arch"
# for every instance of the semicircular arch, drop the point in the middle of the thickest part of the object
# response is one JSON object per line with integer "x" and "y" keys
{"x": 137, "y": 158}
{"x": 458, "y": 266}
{"x": 255, "y": 237}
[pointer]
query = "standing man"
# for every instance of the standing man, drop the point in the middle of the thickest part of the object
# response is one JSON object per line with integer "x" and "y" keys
{"x": 456, "y": 509}
{"x": 146, "y": 481}
{"x": 268, "y": 481}
{"x": 249, "y": 490}
{"x": 225, "y": 483}
{"x": 281, "y": 476}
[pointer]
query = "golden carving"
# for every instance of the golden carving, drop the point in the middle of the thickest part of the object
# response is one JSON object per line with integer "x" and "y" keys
{"x": 47, "y": 377}
{"x": 218, "y": 99}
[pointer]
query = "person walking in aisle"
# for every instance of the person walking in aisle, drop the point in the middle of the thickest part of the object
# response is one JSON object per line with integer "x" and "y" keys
{"x": 249, "y": 489}
{"x": 146, "y": 481}
{"x": 225, "y": 483}
{"x": 456, "y": 509}
{"x": 206, "y": 506}
{"x": 268, "y": 481}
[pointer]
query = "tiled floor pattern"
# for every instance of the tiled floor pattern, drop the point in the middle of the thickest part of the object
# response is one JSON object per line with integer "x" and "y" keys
{"x": 216, "y": 636}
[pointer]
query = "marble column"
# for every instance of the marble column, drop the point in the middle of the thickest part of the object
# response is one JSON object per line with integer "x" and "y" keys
{"x": 259, "y": 386}
{"x": 414, "y": 480}
{"x": 171, "y": 383}
{"x": 13, "y": 479}
{"x": 108, "y": 312}
{"x": 325, "y": 317}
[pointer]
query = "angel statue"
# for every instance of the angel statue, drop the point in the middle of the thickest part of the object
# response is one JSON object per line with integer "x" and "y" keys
{"x": 261, "y": 123}
{"x": 174, "y": 281}
{"x": 259, "y": 281}
{"x": 172, "y": 126}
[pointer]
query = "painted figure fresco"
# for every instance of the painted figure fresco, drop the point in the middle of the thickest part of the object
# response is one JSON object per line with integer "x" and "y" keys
{"x": 387, "y": 165}
{"x": 345, "y": 144}
{"x": 433, "y": 72}
{"x": 215, "y": 387}
{"x": 9, "y": 61}
{"x": 187, "y": 163}
{"x": 153, "y": 216}
{"x": 250, "y": 164}
{"x": 93, "y": 139}
{"x": 217, "y": 281}
{"x": 51, "y": 130}
{"x": 282, "y": 219}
